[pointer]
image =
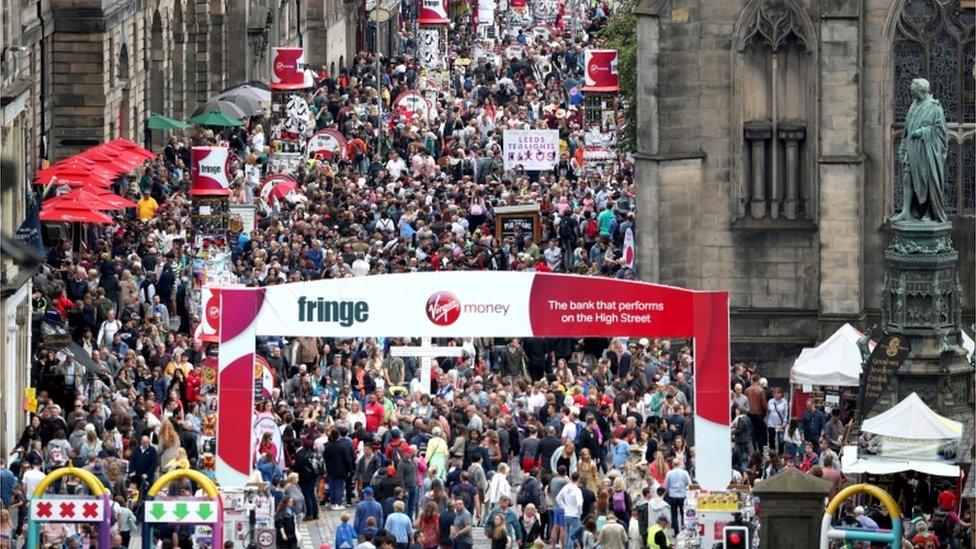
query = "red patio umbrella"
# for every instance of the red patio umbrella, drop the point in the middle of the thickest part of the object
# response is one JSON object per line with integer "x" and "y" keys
{"x": 130, "y": 146}
{"x": 114, "y": 162}
{"x": 78, "y": 170}
{"x": 106, "y": 201}
{"x": 76, "y": 212}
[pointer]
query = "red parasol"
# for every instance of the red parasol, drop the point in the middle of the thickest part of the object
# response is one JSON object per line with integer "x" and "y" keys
{"x": 112, "y": 159}
{"x": 74, "y": 211}
{"x": 125, "y": 144}
{"x": 95, "y": 200}
{"x": 81, "y": 172}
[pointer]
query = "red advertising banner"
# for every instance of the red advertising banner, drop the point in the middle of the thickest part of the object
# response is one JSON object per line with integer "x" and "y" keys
{"x": 326, "y": 144}
{"x": 432, "y": 12}
{"x": 208, "y": 171}
{"x": 467, "y": 304}
{"x": 288, "y": 69}
{"x": 601, "y": 71}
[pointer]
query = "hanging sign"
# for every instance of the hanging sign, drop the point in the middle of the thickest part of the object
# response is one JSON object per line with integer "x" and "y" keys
{"x": 288, "y": 69}
{"x": 326, "y": 144}
{"x": 208, "y": 170}
{"x": 515, "y": 51}
{"x": 277, "y": 186}
{"x": 55, "y": 509}
{"x": 186, "y": 511}
{"x": 433, "y": 12}
{"x": 601, "y": 71}
{"x": 430, "y": 47}
{"x": 886, "y": 358}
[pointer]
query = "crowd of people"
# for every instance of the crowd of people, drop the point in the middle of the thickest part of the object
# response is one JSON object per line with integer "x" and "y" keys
{"x": 539, "y": 442}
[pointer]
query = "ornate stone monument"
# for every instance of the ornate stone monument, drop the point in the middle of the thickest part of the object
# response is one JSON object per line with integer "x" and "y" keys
{"x": 922, "y": 294}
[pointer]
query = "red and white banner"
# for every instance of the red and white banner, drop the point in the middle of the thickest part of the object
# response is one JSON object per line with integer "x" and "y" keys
{"x": 277, "y": 186}
{"x": 630, "y": 253}
{"x": 209, "y": 327}
{"x": 208, "y": 171}
{"x": 55, "y": 509}
{"x": 326, "y": 144}
{"x": 288, "y": 69}
{"x": 468, "y": 304}
{"x": 432, "y": 12}
{"x": 601, "y": 71}
{"x": 411, "y": 103}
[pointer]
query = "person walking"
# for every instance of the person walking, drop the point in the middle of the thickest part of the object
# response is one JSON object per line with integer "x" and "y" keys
{"x": 338, "y": 466}
{"x": 570, "y": 500}
{"x": 676, "y": 489}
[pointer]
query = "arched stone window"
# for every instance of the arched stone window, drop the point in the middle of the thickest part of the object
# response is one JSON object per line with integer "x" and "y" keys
{"x": 123, "y": 62}
{"x": 775, "y": 105}
{"x": 933, "y": 39}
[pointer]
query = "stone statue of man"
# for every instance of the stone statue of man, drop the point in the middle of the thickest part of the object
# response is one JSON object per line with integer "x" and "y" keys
{"x": 922, "y": 154}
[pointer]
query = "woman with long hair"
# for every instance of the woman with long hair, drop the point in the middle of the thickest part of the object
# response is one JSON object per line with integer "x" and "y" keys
{"x": 179, "y": 461}
{"x": 429, "y": 523}
{"x": 658, "y": 468}
{"x": 169, "y": 442}
{"x": 91, "y": 446}
{"x": 588, "y": 470}
{"x": 531, "y": 526}
{"x": 498, "y": 487}
{"x": 285, "y": 524}
{"x": 680, "y": 451}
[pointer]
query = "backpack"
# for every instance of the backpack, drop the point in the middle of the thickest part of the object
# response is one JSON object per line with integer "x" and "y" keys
{"x": 57, "y": 456}
{"x": 940, "y": 525}
{"x": 592, "y": 229}
{"x": 566, "y": 228}
{"x": 580, "y": 428}
{"x": 528, "y": 493}
{"x": 619, "y": 502}
{"x": 345, "y": 536}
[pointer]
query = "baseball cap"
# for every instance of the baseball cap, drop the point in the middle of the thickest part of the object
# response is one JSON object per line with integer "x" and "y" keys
{"x": 368, "y": 491}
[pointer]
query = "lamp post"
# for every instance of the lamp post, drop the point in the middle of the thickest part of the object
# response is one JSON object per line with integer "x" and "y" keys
{"x": 378, "y": 15}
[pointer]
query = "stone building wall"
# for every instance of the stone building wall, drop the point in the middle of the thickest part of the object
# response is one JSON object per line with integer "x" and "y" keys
{"x": 791, "y": 280}
{"x": 108, "y": 64}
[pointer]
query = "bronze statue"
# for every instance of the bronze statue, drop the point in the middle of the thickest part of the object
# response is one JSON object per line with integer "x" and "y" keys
{"x": 922, "y": 154}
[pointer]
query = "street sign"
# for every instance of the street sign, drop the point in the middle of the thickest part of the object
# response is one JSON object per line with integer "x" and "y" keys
{"x": 183, "y": 511}
{"x": 67, "y": 509}
{"x": 266, "y": 538}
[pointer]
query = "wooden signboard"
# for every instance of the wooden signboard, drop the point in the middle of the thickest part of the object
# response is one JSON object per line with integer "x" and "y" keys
{"x": 509, "y": 219}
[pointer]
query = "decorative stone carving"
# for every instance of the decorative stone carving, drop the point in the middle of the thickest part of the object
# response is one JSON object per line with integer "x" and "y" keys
{"x": 841, "y": 8}
{"x": 774, "y": 24}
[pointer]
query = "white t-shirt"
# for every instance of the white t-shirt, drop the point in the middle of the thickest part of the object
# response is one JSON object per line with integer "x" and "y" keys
{"x": 32, "y": 478}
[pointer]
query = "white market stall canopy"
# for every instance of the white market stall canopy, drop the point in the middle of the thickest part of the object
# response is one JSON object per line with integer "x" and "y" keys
{"x": 836, "y": 361}
{"x": 913, "y": 419}
{"x": 851, "y": 463}
{"x": 967, "y": 342}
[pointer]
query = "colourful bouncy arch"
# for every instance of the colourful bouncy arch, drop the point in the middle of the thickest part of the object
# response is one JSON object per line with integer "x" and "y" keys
{"x": 96, "y": 508}
{"x": 829, "y": 532}
{"x": 184, "y": 510}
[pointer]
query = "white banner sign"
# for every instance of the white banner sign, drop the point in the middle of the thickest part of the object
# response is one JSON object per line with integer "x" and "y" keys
{"x": 430, "y": 47}
{"x": 531, "y": 149}
{"x": 58, "y": 509}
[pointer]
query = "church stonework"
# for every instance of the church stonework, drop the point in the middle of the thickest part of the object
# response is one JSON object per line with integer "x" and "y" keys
{"x": 767, "y": 159}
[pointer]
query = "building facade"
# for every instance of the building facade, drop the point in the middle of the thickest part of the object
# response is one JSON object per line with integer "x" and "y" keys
{"x": 77, "y": 73}
{"x": 766, "y": 153}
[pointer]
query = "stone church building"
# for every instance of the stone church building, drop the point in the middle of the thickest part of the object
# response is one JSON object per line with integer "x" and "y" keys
{"x": 766, "y": 153}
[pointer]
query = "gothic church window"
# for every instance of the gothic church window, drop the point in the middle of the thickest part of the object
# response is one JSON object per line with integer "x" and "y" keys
{"x": 934, "y": 40}
{"x": 775, "y": 42}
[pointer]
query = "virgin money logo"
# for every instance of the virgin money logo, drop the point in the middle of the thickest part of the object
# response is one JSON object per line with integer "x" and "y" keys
{"x": 443, "y": 308}
{"x": 597, "y": 68}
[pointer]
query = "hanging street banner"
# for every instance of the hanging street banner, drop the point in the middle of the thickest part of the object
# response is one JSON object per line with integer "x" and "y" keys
{"x": 56, "y": 509}
{"x": 530, "y": 149}
{"x": 884, "y": 362}
{"x": 432, "y": 12}
{"x": 601, "y": 71}
{"x": 183, "y": 511}
{"x": 208, "y": 171}
{"x": 430, "y": 47}
{"x": 326, "y": 144}
{"x": 288, "y": 69}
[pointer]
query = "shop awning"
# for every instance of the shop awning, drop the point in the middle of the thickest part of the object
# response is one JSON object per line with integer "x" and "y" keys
{"x": 160, "y": 122}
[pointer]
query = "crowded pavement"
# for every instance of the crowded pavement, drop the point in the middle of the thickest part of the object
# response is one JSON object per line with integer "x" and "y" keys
{"x": 523, "y": 442}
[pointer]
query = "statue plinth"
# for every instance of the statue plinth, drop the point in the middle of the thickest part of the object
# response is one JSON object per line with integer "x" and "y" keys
{"x": 922, "y": 298}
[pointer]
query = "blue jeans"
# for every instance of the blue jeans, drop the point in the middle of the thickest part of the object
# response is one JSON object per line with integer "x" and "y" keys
{"x": 412, "y": 492}
{"x": 337, "y": 488}
{"x": 573, "y": 529}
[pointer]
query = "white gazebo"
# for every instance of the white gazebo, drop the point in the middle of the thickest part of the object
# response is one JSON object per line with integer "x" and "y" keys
{"x": 836, "y": 361}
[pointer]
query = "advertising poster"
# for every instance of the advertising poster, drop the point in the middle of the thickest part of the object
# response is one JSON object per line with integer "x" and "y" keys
{"x": 288, "y": 69}
{"x": 208, "y": 171}
{"x": 430, "y": 48}
{"x": 601, "y": 71}
{"x": 411, "y": 103}
{"x": 530, "y": 149}
{"x": 433, "y": 12}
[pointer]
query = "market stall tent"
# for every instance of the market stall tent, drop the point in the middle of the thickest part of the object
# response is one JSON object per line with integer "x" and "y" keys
{"x": 836, "y": 361}
{"x": 912, "y": 418}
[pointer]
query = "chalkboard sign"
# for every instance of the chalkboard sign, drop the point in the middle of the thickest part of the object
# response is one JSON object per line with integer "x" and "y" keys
{"x": 882, "y": 365}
